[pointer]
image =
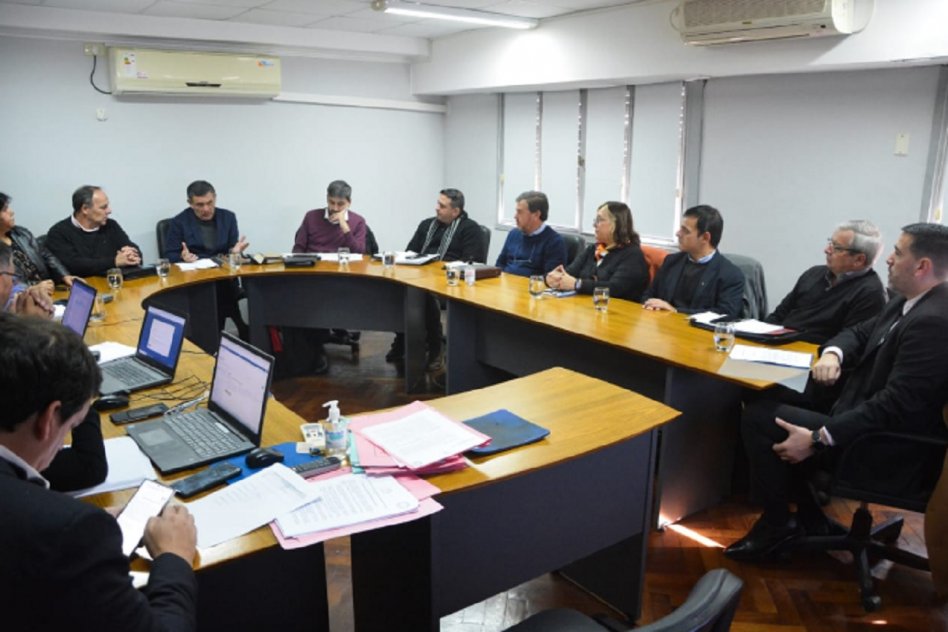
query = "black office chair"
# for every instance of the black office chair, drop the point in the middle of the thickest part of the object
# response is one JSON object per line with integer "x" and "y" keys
{"x": 755, "y": 290}
{"x": 161, "y": 233}
{"x": 371, "y": 244}
{"x": 574, "y": 245}
{"x": 857, "y": 477}
{"x": 710, "y": 607}
{"x": 485, "y": 244}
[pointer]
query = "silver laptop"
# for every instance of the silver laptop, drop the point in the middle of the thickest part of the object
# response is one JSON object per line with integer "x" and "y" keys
{"x": 155, "y": 359}
{"x": 79, "y": 307}
{"x": 232, "y": 422}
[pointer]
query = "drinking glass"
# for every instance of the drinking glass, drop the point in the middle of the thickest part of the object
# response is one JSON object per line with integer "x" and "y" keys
{"x": 452, "y": 274}
{"x": 601, "y": 299}
{"x": 115, "y": 278}
{"x": 98, "y": 308}
{"x": 163, "y": 267}
{"x": 388, "y": 260}
{"x": 343, "y": 253}
{"x": 234, "y": 259}
{"x": 723, "y": 336}
{"x": 537, "y": 286}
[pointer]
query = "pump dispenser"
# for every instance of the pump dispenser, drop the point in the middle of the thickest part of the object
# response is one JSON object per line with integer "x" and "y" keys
{"x": 336, "y": 429}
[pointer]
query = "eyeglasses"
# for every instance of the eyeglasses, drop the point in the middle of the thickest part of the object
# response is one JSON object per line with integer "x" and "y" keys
{"x": 600, "y": 220}
{"x": 837, "y": 248}
{"x": 12, "y": 275}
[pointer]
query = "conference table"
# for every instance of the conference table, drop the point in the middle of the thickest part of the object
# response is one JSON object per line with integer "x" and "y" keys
{"x": 496, "y": 330}
{"x": 500, "y": 526}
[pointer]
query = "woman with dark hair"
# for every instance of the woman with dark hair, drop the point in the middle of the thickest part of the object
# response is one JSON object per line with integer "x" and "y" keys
{"x": 34, "y": 264}
{"x": 614, "y": 261}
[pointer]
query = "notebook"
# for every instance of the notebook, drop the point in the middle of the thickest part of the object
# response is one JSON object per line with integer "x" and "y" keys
{"x": 230, "y": 425}
{"x": 79, "y": 307}
{"x": 155, "y": 359}
{"x": 506, "y": 431}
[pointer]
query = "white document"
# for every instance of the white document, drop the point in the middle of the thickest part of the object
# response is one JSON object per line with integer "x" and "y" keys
{"x": 128, "y": 467}
{"x": 422, "y": 438}
{"x": 752, "y": 326}
{"x": 334, "y": 256}
{"x": 705, "y": 318}
{"x": 249, "y": 503}
{"x": 410, "y": 258}
{"x": 112, "y": 351}
{"x": 200, "y": 264}
{"x": 346, "y": 500}
{"x": 772, "y": 356}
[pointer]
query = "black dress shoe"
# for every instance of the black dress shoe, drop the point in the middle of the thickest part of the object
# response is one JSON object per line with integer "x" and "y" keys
{"x": 321, "y": 365}
{"x": 763, "y": 540}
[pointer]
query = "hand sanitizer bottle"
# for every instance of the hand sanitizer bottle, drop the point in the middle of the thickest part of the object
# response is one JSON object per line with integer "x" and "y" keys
{"x": 469, "y": 275}
{"x": 337, "y": 430}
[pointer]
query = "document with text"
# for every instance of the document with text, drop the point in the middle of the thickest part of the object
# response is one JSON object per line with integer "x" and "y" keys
{"x": 795, "y": 359}
{"x": 423, "y": 438}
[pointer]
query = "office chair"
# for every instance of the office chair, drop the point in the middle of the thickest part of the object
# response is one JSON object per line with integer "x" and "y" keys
{"x": 161, "y": 233}
{"x": 574, "y": 245}
{"x": 710, "y": 607}
{"x": 856, "y": 477}
{"x": 654, "y": 258}
{"x": 485, "y": 244}
{"x": 755, "y": 290}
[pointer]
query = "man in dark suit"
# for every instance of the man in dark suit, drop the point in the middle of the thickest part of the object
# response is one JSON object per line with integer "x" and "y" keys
{"x": 898, "y": 378}
{"x": 699, "y": 278}
{"x": 63, "y": 567}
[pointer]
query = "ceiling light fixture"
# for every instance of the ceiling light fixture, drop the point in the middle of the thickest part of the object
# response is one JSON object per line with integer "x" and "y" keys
{"x": 469, "y": 16}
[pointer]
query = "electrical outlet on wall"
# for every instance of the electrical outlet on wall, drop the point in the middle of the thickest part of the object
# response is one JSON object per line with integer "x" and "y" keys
{"x": 93, "y": 49}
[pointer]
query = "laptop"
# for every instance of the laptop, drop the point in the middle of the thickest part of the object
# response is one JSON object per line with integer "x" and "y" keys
{"x": 155, "y": 359}
{"x": 230, "y": 425}
{"x": 79, "y": 307}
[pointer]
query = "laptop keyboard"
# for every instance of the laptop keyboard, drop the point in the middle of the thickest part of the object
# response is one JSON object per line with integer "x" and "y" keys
{"x": 128, "y": 372}
{"x": 203, "y": 433}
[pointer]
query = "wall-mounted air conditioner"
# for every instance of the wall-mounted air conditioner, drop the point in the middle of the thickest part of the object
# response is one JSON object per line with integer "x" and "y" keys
{"x": 704, "y": 22}
{"x": 165, "y": 72}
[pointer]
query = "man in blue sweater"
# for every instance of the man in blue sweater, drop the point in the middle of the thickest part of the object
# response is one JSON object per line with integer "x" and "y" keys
{"x": 534, "y": 248}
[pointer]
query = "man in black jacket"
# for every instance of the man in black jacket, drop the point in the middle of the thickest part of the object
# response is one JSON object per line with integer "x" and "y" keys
{"x": 898, "y": 378}
{"x": 63, "y": 566}
{"x": 828, "y": 298}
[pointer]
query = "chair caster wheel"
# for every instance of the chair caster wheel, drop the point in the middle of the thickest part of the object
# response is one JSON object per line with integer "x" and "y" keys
{"x": 872, "y": 603}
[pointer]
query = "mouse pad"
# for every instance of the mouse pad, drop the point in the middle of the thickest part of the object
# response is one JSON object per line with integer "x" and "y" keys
{"x": 290, "y": 459}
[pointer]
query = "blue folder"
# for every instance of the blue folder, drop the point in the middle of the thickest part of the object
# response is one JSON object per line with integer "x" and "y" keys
{"x": 506, "y": 431}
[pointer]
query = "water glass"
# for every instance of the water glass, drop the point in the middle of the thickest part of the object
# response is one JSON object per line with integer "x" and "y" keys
{"x": 343, "y": 253}
{"x": 234, "y": 259}
{"x": 452, "y": 274}
{"x": 723, "y": 336}
{"x": 115, "y": 278}
{"x": 388, "y": 260}
{"x": 163, "y": 267}
{"x": 98, "y": 308}
{"x": 470, "y": 275}
{"x": 537, "y": 286}
{"x": 601, "y": 299}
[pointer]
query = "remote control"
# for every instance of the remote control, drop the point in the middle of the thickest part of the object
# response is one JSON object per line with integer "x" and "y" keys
{"x": 214, "y": 475}
{"x": 319, "y": 465}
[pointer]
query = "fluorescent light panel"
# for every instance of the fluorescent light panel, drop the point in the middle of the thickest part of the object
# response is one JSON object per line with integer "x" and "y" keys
{"x": 469, "y": 16}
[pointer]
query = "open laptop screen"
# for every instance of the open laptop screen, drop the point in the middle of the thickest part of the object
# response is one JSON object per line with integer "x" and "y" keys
{"x": 79, "y": 307}
{"x": 241, "y": 383}
{"x": 162, "y": 336}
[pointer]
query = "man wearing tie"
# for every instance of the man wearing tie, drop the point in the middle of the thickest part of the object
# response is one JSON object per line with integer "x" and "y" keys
{"x": 898, "y": 378}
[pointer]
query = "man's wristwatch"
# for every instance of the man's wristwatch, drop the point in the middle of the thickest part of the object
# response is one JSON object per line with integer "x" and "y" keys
{"x": 818, "y": 445}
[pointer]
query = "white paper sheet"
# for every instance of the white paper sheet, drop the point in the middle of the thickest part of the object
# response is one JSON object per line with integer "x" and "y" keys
{"x": 752, "y": 326}
{"x": 200, "y": 264}
{"x": 705, "y": 318}
{"x": 112, "y": 351}
{"x": 249, "y": 503}
{"x": 772, "y": 356}
{"x": 128, "y": 467}
{"x": 334, "y": 257}
{"x": 348, "y": 499}
{"x": 422, "y": 438}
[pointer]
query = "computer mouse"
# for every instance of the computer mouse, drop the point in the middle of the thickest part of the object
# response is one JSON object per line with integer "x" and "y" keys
{"x": 262, "y": 457}
{"x": 111, "y": 400}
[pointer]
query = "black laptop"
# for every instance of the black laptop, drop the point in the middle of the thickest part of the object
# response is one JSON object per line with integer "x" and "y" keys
{"x": 155, "y": 359}
{"x": 230, "y": 425}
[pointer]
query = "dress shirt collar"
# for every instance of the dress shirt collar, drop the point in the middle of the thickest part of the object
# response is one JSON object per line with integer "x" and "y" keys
{"x": 31, "y": 474}
{"x": 326, "y": 216}
{"x": 845, "y": 276}
{"x": 539, "y": 230}
{"x": 76, "y": 223}
{"x": 703, "y": 260}
{"x": 912, "y": 302}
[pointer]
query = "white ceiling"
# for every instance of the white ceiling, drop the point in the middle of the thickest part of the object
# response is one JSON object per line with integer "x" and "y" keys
{"x": 354, "y": 16}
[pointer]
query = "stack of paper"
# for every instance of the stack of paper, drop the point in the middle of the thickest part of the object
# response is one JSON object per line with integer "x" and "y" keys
{"x": 413, "y": 438}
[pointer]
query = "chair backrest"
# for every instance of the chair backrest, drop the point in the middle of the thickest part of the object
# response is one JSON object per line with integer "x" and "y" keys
{"x": 755, "y": 290}
{"x": 654, "y": 258}
{"x": 710, "y": 606}
{"x": 371, "y": 245}
{"x": 574, "y": 245}
{"x": 485, "y": 243}
{"x": 161, "y": 233}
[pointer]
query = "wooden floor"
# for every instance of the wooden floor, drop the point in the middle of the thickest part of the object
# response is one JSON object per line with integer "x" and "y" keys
{"x": 811, "y": 592}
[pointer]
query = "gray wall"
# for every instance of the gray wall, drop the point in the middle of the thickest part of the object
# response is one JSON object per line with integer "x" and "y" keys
{"x": 269, "y": 161}
{"x": 784, "y": 157}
